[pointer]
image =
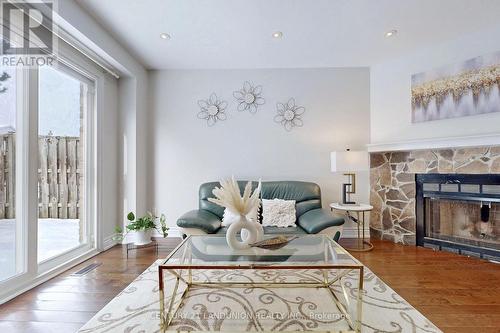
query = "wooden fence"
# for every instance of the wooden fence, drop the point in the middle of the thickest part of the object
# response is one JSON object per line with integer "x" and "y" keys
{"x": 7, "y": 176}
{"x": 60, "y": 177}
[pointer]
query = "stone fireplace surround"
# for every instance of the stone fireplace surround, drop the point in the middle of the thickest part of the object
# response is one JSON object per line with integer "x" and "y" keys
{"x": 392, "y": 184}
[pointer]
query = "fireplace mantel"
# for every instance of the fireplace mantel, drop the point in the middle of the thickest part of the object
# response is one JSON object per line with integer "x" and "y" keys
{"x": 437, "y": 143}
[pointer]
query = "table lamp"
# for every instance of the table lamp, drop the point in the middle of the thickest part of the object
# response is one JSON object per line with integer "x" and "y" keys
{"x": 348, "y": 162}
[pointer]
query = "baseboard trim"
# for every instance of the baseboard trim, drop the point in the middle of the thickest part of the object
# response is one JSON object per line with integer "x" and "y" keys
{"x": 352, "y": 232}
{"x": 109, "y": 242}
{"x": 172, "y": 232}
{"x": 24, "y": 287}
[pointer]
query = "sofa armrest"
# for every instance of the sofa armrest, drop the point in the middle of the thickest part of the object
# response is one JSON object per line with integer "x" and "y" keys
{"x": 318, "y": 219}
{"x": 200, "y": 219}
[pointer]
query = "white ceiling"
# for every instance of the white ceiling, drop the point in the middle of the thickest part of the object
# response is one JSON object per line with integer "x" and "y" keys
{"x": 317, "y": 33}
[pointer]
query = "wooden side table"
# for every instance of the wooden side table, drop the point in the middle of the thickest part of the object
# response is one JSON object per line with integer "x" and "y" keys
{"x": 362, "y": 245}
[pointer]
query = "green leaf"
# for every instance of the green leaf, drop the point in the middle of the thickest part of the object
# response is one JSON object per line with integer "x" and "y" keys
{"x": 130, "y": 216}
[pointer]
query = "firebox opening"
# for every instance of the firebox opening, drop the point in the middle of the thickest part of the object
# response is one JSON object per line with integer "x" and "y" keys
{"x": 455, "y": 213}
{"x": 462, "y": 221}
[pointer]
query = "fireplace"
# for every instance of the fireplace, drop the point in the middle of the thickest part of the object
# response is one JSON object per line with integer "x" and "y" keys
{"x": 459, "y": 213}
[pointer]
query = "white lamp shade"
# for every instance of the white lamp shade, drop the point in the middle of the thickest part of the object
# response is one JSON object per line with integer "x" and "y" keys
{"x": 345, "y": 161}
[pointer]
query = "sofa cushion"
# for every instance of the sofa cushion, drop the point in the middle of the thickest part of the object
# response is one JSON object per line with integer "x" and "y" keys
{"x": 205, "y": 192}
{"x": 307, "y": 195}
{"x": 283, "y": 231}
{"x": 316, "y": 220}
{"x": 273, "y": 231}
{"x": 201, "y": 219}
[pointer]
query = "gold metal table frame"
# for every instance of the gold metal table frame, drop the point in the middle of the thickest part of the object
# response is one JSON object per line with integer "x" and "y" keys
{"x": 362, "y": 244}
{"x": 184, "y": 283}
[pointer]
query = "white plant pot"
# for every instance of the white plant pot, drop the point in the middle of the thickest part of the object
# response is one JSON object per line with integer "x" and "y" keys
{"x": 251, "y": 232}
{"x": 143, "y": 237}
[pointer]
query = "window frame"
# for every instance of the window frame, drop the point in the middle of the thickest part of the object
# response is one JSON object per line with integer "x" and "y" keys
{"x": 29, "y": 272}
{"x": 88, "y": 209}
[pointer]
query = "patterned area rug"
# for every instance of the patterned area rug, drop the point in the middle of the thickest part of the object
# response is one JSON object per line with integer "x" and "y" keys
{"x": 136, "y": 309}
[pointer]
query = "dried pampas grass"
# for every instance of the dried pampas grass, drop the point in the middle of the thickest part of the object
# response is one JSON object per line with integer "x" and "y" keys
{"x": 228, "y": 196}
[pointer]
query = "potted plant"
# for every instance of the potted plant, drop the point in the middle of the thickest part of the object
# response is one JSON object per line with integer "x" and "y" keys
{"x": 143, "y": 227}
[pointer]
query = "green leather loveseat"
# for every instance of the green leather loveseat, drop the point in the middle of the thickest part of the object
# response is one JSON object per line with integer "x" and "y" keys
{"x": 311, "y": 218}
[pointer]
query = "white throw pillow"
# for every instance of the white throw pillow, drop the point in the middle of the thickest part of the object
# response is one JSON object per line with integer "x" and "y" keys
{"x": 278, "y": 213}
{"x": 229, "y": 217}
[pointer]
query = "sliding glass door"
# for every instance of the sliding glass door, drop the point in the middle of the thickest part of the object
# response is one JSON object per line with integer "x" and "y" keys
{"x": 49, "y": 143}
{"x": 48, "y": 170}
{"x": 64, "y": 102}
{"x": 11, "y": 236}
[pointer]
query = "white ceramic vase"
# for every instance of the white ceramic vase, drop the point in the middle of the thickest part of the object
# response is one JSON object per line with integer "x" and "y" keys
{"x": 251, "y": 232}
{"x": 143, "y": 237}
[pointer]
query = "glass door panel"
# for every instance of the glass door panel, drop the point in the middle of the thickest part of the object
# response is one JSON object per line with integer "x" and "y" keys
{"x": 10, "y": 237}
{"x": 61, "y": 162}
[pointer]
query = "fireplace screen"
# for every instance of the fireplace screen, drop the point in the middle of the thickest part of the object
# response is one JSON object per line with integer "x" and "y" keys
{"x": 467, "y": 222}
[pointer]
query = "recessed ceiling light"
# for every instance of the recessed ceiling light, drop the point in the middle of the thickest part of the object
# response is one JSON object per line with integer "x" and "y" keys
{"x": 164, "y": 35}
{"x": 391, "y": 33}
{"x": 277, "y": 34}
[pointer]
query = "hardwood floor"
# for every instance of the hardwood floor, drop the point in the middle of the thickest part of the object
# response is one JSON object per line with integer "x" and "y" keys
{"x": 457, "y": 293}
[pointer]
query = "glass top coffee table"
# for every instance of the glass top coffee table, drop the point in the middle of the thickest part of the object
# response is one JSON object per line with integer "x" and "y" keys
{"x": 188, "y": 263}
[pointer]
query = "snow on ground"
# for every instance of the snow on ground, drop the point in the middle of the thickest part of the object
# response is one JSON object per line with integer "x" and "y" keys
{"x": 54, "y": 237}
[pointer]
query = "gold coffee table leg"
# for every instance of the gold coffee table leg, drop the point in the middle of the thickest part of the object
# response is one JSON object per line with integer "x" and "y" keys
{"x": 167, "y": 314}
{"x": 344, "y": 305}
{"x": 162, "y": 299}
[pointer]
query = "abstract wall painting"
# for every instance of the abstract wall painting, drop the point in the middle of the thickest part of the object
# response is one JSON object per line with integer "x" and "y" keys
{"x": 465, "y": 89}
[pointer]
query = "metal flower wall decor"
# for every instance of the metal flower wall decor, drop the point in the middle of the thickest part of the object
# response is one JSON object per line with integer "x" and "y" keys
{"x": 249, "y": 97}
{"x": 289, "y": 114}
{"x": 212, "y": 109}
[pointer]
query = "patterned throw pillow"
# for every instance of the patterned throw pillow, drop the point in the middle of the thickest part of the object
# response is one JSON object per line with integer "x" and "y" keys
{"x": 278, "y": 213}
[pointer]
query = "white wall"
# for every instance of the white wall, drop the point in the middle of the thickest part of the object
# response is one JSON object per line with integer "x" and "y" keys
{"x": 129, "y": 126}
{"x": 109, "y": 177}
{"x": 185, "y": 152}
{"x": 391, "y": 94}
